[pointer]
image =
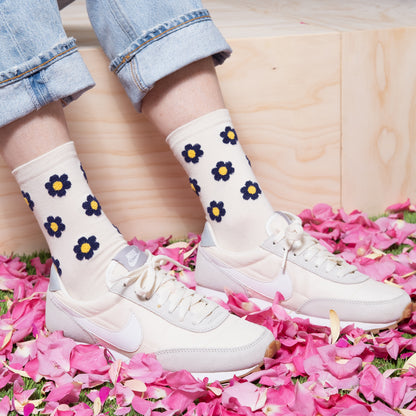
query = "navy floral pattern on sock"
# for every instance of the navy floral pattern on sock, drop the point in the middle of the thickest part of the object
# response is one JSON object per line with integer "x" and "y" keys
{"x": 192, "y": 153}
{"x": 222, "y": 171}
{"x": 92, "y": 206}
{"x": 57, "y": 264}
{"x": 28, "y": 200}
{"x": 86, "y": 247}
{"x": 229, "y": 136}
{"x": 248, "y": 160}
{"x": 83, "y": 172}
{"x": 58, "y": 185}
{"x": 54, "y": 226}
{"x": 251, "y": 190}
{"x": 216, "y": 210}
{"x": 194, "y": 186}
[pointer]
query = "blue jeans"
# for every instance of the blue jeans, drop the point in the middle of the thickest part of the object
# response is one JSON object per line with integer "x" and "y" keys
{"x": 145, "y": 40}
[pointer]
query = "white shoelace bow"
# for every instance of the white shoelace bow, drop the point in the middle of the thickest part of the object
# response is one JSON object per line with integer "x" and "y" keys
{"x": 150, "y": 279}
{"x": 300, "y": 242}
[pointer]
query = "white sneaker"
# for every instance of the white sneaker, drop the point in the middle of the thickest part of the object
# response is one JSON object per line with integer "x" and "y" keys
{"x": 147, "y": 310}
{"x": 312, "y": 280}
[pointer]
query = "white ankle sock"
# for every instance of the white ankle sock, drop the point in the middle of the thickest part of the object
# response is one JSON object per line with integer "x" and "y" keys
{"x": 220, "y": 173}
{"x": 80, "y": 237}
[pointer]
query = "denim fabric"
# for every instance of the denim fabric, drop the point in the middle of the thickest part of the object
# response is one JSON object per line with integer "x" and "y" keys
{"x": 145, "y": 40}
{"x": 38, "y": 63}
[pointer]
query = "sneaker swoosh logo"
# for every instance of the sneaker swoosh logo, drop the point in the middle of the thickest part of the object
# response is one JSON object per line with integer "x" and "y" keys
{"x": 127, "y": 339}
{"x": 281, "y": 283}
{"x": 132, "y": 257}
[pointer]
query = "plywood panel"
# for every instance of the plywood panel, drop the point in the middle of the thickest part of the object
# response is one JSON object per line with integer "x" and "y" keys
{"x": 351, "y": 15}
{"x": 237, "y": 19}
{"x": 287, "y": 110}
{"x": 379, "y": 118}
{"x": 260, "y": 18}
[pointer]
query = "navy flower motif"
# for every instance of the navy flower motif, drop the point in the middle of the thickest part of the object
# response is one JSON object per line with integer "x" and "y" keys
{"x": 83, "y": 172}
{"x": 92, "y": 206}
{"x": 54, "y": 226}
{"x": 57, "y": 265}
{"x": 223, "y": 171}
{"x": 251, "y": 190}
{"x": 58, "y": 185}
{"x": 28, "y": 200}
{"x": 192, "y": 153}
{"x": 194, "y": 186}
{"x": 216, "y": 210}
{"x": 248, "y": 160}
{"x": 229, "y": 136}
{"x": 86, "y": 247}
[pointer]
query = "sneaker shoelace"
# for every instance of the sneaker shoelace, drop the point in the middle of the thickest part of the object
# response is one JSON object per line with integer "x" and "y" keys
{"x": 151, "y": 280}
{"x": 299, "y": 242}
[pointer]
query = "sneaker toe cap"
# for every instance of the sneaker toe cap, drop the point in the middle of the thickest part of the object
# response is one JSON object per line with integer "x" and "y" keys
{"x": 376, "y": 303}
{"x": 243, "y": 347}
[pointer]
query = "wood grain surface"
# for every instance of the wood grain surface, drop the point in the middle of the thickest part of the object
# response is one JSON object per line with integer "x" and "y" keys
{"x": 378, "y": 118}
{"x": 321, "y": 93}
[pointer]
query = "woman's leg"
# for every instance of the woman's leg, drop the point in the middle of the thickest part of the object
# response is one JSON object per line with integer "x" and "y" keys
{"x": 33, "y": 135}
{"x": 169, "y": 75}
{"x": 41, "y": 70}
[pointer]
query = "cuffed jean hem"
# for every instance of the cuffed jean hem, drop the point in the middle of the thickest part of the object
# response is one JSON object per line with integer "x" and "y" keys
{"x": 57, "y": 74}
{"x": 176, "y": 44}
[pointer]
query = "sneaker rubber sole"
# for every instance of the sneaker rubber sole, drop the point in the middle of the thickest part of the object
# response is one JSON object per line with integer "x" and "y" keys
{"x": 264, "y": 304}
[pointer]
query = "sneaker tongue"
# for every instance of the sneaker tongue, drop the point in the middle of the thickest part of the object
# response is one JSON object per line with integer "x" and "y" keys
{"x": 131, "y": 258}
{"x": 279, "y": 221}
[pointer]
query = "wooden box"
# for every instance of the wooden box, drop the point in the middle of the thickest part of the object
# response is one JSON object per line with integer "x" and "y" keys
{"x": 323, "y": 96}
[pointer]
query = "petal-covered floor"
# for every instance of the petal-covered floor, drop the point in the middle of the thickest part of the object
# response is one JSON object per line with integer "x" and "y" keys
{"x": 317, "y": 371}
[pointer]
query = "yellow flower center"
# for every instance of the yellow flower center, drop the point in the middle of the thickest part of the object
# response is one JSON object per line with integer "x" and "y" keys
{"x": 27, "y": 202}
{"x": 57, "y": 185}
{"x": 251, "y": 190}
{"x": 231, "y": 135}
{"x": 191, "y": 153}
{"x": 223, "y": 170}
{"x": 85, "y": 248}
{"x": 216, "y": 211}
{"x": 193, "y": 187}
{"x": 54, "y": 227}
{"x": 94, "y": 205}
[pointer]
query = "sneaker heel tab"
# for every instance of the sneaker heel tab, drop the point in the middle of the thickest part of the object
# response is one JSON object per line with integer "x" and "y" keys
{"x": 54, "y": 280}
{"x": 207, "y": 237}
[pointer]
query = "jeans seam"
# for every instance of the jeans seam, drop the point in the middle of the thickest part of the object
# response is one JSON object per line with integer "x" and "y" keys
{"x": 135, "y": 76}
{"x": 128, "y": 56}
{"x": 121, "y": 19}
{"x": 38, "y": 66}
{"x": 33, "y": 97}
{"x": 44, "y": 89}
{"x": 11, "y": 32}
